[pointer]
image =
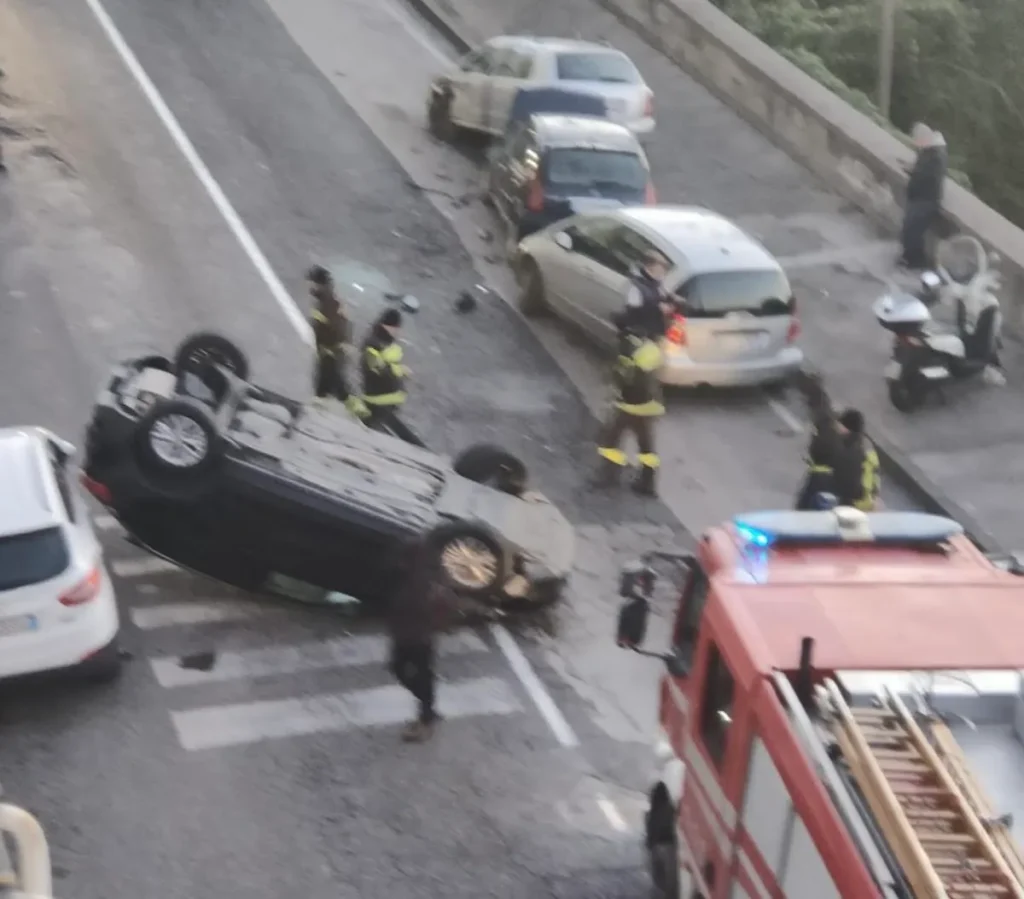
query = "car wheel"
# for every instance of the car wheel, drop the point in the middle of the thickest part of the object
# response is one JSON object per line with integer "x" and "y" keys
{"x": 176, "y": 441}
{"x": 200, "y": 350}
{"x": 906, "y": 396}
{"x": 106, "y": 665}
{"x": 439, "y": 118}
{"x": 491, "y": 465}
{"x": 472, "y": 559}
{"x": 532, "y": 299}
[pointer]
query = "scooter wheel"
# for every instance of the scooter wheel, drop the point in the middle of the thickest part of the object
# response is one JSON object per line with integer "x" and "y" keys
{"x": 904, "y": 396}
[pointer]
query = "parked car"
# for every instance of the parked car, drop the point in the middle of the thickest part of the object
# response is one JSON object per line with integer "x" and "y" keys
{"x": 737, "y": 322}
{"x": 479, "y": 94}
{"x": 218, "y": 475}
{"x": 57, "y": 605}
{"x": 551, "y": 167}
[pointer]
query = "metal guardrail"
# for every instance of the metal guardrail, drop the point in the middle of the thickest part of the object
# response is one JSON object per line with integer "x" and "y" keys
{"x": 28, "y": 874}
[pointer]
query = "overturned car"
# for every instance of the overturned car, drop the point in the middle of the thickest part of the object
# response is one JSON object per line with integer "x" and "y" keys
{"x": 255, "y": 489}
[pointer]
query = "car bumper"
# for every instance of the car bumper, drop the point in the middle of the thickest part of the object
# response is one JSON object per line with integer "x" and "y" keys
{"x": 641, "y": 127}
{"x": 64, "y": 645}
{"x": 682, "y": 371}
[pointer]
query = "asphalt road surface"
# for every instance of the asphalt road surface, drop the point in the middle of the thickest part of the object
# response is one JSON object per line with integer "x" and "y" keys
{"x": 278, "y": 770}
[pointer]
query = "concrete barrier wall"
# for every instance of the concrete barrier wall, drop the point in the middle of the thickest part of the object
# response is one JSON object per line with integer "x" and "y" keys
{"x": 849, "y": 151}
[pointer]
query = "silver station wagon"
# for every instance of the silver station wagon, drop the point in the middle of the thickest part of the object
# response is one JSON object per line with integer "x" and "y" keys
{"x": 737, "y": 322}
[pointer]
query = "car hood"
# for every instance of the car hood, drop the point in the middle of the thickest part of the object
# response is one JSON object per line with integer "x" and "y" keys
{"x": 531, "y": 525}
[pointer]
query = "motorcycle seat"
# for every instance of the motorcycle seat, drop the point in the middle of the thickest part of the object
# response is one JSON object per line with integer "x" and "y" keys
{"x": 947, "y": 344}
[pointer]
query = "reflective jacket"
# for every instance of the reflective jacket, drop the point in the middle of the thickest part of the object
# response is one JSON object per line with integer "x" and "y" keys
{"x": 330, "y": 326}
{"x": 638, "y": 390}
{"x": 857, "y": 481}
{"x": 825, "y": 445}
{"x": 382, "y": 369}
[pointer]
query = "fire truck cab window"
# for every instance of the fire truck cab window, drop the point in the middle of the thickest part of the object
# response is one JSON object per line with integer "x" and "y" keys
{"x": 695, "y": 596}
{"x": 716, "y": 705}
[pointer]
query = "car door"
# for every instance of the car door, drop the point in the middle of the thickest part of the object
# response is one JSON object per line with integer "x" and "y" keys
{"x": 469, "y": 88}
{"x": 510, "y": 71}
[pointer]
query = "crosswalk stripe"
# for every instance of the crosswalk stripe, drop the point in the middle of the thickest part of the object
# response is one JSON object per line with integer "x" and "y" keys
{"x": 346, "y": 652}
{"x": 176, "y": 614}
{"x": 215, "y": 727}
{"x": 140, "y": 567}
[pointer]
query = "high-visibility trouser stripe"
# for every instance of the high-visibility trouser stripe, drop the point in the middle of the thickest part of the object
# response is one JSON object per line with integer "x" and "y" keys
{"x": 645, "y": 410}
{"x": 385, "y": 399}
{"x": 820, "y": 469}
{"x": 613, "y": 455}
{"x": 649, "y": 460}
{"x": 865, "y": 505}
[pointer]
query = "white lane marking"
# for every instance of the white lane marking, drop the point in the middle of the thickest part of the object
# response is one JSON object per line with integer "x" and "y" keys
{"x": 344, "y": 652}
{"x": 789, "y": 418}
{"x": 214, "y": 727}
{"x": 127, "y": 568}
{"x": 106, "y": 523}
{"x": 523, "y": 670}
{"x": 234, "y": 222}
{"x": 866, "y": 252}
{"x": 180, "y": 614}
{"x": 410, "y": 27}
{"x": 611, "y": 812}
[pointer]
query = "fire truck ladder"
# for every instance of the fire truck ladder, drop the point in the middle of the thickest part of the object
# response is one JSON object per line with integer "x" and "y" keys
{"x": 925, "y": 801}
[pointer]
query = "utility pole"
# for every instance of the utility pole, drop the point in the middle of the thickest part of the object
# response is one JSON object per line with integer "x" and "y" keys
{"x": 886, "y": 49}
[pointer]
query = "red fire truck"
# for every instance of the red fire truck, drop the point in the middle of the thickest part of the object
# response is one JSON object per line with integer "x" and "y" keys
{"x": 841, "y": 707}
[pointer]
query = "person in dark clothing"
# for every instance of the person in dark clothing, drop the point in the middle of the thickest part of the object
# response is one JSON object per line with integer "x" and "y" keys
{"x": 824, "y": 446}
{"x": 637, "y": 403}
{"x": 384, "y": 377}
{"x": 924, "y": 195}
{"x": 421, "y": 608}
{"x": 646, "y": 291}
{"x": 856, "y": 471}
{"x": 331, "y": 333}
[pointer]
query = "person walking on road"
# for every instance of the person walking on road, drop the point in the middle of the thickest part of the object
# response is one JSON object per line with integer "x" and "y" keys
{"x": 637, "y": 403}
{"x": 924, "y": 195}
{"x": 824, "y": 447}
{"x": 384, "y": 377}
{"x": 421, "y": 608}
{"x": 331, "y": 333}
{"x": 856, "y": 477}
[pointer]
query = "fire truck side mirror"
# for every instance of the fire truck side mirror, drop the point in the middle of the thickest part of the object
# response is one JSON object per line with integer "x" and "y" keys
{"x": 633, "y": 622}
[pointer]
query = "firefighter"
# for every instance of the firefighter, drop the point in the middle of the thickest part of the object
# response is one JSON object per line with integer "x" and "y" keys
{"x": 823, "y": 449}
{"x": 331, "y": 331}
{"x": 637, "y": 400}
{"x": 384, "y": 377}
{"x": 857, "y": 481}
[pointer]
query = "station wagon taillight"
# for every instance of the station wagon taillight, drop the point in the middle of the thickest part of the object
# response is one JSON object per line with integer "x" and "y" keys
{"x": 100, "y": 491}
{"x": 85, "y": 590}
{"x": 676, "y": 332}
{"x": 535, "y": 195}
{"x": 794, "y": 323}
{"x": 649, "y": 107}
{"x": 650, "y": 194}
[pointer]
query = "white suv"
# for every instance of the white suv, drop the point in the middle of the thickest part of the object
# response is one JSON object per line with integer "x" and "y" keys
{"x": 479, "y": 94}
{"x": 57, "y": 605}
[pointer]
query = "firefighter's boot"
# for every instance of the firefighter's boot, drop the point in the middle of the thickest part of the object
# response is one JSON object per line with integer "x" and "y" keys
{"x": 644, "y": 484}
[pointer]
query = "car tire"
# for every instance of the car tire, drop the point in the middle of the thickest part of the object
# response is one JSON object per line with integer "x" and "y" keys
{"x": 177, "y": 443}
{"x": 472, "y": 559}
{"x": 106, "y": 666}
{"x": 484, "y": 463}
{"x": 532, "y": 299}
{"x": 205, "y": 348}
{"x": 439, "y": 120}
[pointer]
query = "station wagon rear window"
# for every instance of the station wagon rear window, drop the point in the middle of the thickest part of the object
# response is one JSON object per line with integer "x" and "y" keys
{"x": 755, "y": 292}
{"x": 32, "y": 558}
{"x": 608, "y": 67}
{"x": 603, "y": 171}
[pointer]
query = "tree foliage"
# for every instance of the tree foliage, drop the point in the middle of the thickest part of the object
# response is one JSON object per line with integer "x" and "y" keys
{"x": 953, "y": 68}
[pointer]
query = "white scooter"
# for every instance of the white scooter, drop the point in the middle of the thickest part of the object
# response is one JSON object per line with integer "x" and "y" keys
{"x": 925, "y": 359}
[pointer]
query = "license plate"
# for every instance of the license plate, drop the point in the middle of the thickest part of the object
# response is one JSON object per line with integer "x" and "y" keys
{"x": 893, "y": 370}
{"x": 19, "y": 624}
